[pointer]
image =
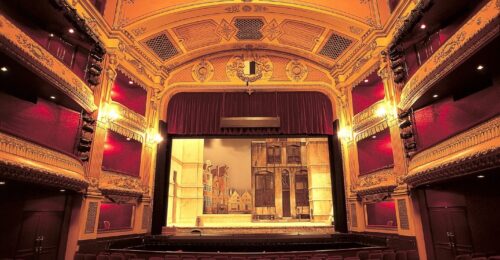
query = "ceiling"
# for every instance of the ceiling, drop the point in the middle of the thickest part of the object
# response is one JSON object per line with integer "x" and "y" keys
{"x": 174, "y": 32}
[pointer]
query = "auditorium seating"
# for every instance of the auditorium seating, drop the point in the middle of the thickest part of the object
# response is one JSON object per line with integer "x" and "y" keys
{"x": 356, "y": 255}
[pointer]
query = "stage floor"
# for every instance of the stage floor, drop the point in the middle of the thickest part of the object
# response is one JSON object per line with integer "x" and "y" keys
{"x": 252, "y": 228}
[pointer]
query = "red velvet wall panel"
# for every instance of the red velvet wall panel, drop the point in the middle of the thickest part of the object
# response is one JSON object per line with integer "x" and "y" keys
{"x": 367, "y": 93}
{"x": 45, "y": 123}
{"x": 115, "y": 216}
{"x": 121, "y": 155}
{"x": 300, "y": 112}
{"x": 375, "y": 153}
{"x": 446, "y": 118}
{"x": 381, "y": 214}
{"x": 131, "y": 96}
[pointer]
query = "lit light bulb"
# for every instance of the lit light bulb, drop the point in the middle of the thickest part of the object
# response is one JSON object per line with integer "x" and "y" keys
{"x": 381, "y": 111}
{"x": 157, "y": 138}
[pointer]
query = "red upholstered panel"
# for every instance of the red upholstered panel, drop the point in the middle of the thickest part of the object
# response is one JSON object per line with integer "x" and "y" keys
{"x": 121, "y": 155}
{"x": 381, "y": 214}
{"x": 131, "y": 96}
{"x": 446, "y": 118}
{"x": 114, "y": 216}
{"x": 45, "y": 123}
{"x": 300, "y": 112}
{"x": 366, "y": 94}
{"x": 375, "y": 153}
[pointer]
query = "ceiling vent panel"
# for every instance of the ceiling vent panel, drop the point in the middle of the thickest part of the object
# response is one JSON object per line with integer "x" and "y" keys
{"x": 162, "y": 46}
{"x": 249, "y": 28}
{"x": 335, "y": 46}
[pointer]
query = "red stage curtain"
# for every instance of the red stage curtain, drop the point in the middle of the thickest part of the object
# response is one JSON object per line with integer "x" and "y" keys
{"x": 375, "y": 153}
{"x": 367, "y": 94}
{"x": 300, "y": 112}
{"x": 114, "y": 216}
{"x": 121, "y": 155}
{"x": 45, "y": 123}
{"x": 381, "y": 214}
{"x": 131, "y": 96}
{"x": 441, "y": 120}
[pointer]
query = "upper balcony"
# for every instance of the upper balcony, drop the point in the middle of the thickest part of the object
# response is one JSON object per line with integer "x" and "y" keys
{"x": 57, "y": 48}
{"x": 440, "y": 42}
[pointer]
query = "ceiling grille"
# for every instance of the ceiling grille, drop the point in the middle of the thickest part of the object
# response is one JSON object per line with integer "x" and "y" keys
{"x": 249, "y": 29}
{"x": 335, "y": 46}
{"x": 162, "y": 46}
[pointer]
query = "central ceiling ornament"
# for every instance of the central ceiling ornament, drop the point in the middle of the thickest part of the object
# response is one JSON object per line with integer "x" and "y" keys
{"x": 235, "y": 68}
{"x": 296, "y": 70}
{"x": 203, "y": 71}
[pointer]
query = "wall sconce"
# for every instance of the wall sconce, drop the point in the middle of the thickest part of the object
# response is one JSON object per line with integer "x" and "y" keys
{"x": 109, "y": 114}
{"x": 154, "y": 137}
{"x": 381, "y": 111}
{"x": 345, "y": 134}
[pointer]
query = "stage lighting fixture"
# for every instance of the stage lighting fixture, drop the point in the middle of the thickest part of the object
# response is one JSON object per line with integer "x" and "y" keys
{"x": 406, "y": 123}
{"x": 410, "y": 146}
{"x": 406, "y": 135}
{"x": 85, "y": 141}
{"x": 83, "y": 148}
{"x": 87, "y": 128}
{"x": 404, "y": 115}
{"x": 88, "y": 119}
{"x": 84, "y": 158}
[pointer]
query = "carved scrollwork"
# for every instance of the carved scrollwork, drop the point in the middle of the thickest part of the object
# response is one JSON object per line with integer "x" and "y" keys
{"x": 203, "y": 71}
{"x": 117, "y": 184}
{"x": 236, "y": 66}
{"x": 296, "y": 70}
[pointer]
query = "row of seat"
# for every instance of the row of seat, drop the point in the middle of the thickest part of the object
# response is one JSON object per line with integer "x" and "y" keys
{"x": 360, "y": 255}
{"x": 477, "y": 257}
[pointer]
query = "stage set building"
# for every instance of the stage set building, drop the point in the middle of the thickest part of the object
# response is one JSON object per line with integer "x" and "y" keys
{"x": 371, "y": 125}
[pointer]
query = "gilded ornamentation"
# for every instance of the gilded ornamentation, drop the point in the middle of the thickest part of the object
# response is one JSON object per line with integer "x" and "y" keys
{"x": 139, "y": 31}
{"x": 296, "y": 70}
{"x": 113, "y": 183}
{"x": 130, "y": 118}
{"x": 23, "y": 47}
{"x": 235, "y": 68}
{"x": 91, "y": 217}
{"x": 368, "y": 117}
{"x": 271, "y": 30}
{"x": 459, "y": 47}
{"x": 203, "y": 71}
{"x": 476, "y": 149}
{"x": 375, "y": 178}
{"x": 355, "y": 30}
{"x": 371, "y": 130}
{"x": 226, "y": 30}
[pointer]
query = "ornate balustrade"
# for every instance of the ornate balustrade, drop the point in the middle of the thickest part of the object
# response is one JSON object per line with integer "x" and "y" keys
{"x": 119, "y": 184}
{"x": 379, "y": 181}
{"x": 26, "y": 161}
{"x": 482, "y": 27}
{"x": 476, "y": 149}
{"x": 29, "y": 52}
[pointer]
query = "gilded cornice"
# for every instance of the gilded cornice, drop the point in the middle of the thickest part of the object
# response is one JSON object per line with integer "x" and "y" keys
{"x": 375, "y": 180}
{"x": 117, "y": 184}
{"x": 368, "y": 117}
{"x": 129, "y": 118}
{"x": 476, "y": 149}
{"x": 31, "y": 53}
{"x": 482, "y": 27}
{"x": 371, "y": 130}
{"x": 125, "y": 129}
{"x": 26, "y": 161}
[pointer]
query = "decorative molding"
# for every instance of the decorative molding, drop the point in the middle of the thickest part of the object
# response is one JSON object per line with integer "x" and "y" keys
{"x": 368, "y": 117}
{"x": 377, "y": 178}
{"x": 377, "y": 193}
{"x": 22, "y": 47}
{"x": 371, "y": 130}
{"x": 130, "y": 119}
{"x": 404, "y": 222}
{"x": 272, "y": 30}
{"x": 119, "y": 184}
{"x": 226, "y": 30}
{"x": 126, "y": 131}
{"x": 466, "y": 41}
{"x": 235, "y": 68}
{"x": 91, "y": 217}
{"x": 354, "y": 218}
{"x": 146, "y": 217}
{"x": 26, "y": 161}
{"x": 296, "y": 70}
{"x": 476, "y": 149}
{"x": 203, "y": 71}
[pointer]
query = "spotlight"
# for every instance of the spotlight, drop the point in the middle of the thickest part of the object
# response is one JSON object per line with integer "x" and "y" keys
{"x": 381, "y": 111}
{"x": 84, "y": 158}
{"x": 411, "y": 146}
{"x": 87, "y": 128}
{"x": 62, "y": 190}
{"x": 4, "y": 69}
{"x": 406, "y": 135}
{"x": 435, "y": 96}
{"x": 88, "y": 119}
{"x": 158, "y": 138}
{"x": 128, "y": 139}
{"x": 480, "y": 67}
{"x": 52, "y": 97}
{"x": 83, "y": 147}
{"x": 406, "y": 123}
{"x": 423, "y": 26}
{"x": 374, "y": 136}
{"x": 480, "y": 176}
{"x": 366, "y": 80}
{"x": 130, "y": 82}
{"x": 51, "y": 35}
{"x": 85, "y": 141}
{"x": 404, "y": 115}
{"x": 71, "y": 30}
{"x": 2, "y": 183}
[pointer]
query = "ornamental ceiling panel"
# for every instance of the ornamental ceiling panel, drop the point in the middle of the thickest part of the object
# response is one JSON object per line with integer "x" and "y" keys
{"x": 198, "y": 34}
{"x": 300, "y": 34}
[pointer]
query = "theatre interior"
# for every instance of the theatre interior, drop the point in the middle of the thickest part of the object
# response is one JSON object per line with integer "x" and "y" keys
{"x": 249, "y": 129}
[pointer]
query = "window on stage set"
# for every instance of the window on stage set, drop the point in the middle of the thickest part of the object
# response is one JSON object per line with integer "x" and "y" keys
{"x": 301, "y": 189}
{"x": 264, "y": 187}
{"x": 293, "y": 153}
{"x": 274, "y": 154}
